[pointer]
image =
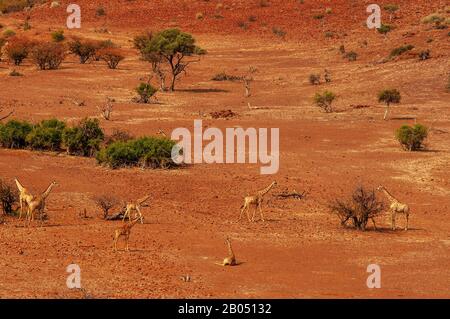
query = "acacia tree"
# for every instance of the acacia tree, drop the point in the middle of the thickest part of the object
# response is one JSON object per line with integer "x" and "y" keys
{"x": 173, "y": 46}
{"x": 389, "y": 97}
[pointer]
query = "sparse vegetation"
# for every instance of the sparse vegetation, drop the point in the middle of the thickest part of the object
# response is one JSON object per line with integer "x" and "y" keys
{"x": 152, "y": 152}
{"x": 325, "y": 100}
{"x": 8, "y": 33}
{"x": 100, "y": 11}
{"x": 412, "y": 137}
{"x": 362, "y": 206}
{"x": 392, "y": 9}
{"x": 15, "y": 73}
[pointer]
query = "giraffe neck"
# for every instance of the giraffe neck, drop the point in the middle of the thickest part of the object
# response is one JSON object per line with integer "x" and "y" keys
{"x": 389, "y": 196}
{"x": 47, "y": 192}
{"x": 266, "y": 190}
{"x": 143, "y": 200}
{"x": 19, "y": 186}
{"x": 230, "y": 250}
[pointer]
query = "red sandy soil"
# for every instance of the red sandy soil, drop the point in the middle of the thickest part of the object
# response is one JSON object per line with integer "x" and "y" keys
{"x": 301, "y": 250}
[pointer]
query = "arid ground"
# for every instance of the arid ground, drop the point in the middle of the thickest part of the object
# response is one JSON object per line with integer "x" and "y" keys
{"x": 301, "y": 250}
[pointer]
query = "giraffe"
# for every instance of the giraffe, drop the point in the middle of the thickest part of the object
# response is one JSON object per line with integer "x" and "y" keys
{"x": 38, "y": 203}
{"x": 395, "y": 207}
{"x": 24, "y": 197}
{"x": 231, "y": 259}
{"x": 257, "y": 201}
{"x": 134, "y": 206}
{"x": 125, "y": 231}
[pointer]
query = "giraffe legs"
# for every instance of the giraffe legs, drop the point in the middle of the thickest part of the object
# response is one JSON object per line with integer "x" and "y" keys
{"x": 407, "y": 221}
{"x": 261, "y": 212}
{"x": 393, "y": 216}
{"x": 245, "y": 208}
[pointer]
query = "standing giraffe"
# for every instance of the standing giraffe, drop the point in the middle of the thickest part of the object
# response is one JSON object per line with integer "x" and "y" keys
{"x": 135, "y": 206}
{"x": 24, "y": 197}
{"x": 38, "y": 203}
{"x": 125, "y": 231}
{"x": 257, "y": 201}
{"x": 396, "y": 207}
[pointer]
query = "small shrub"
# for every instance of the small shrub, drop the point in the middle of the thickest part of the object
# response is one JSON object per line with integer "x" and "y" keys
{"x": 83, "y": 139}
{"x": 84, "y": 49}
{"x": 358, "y": 209}
{"x": 433, "y": 18}
{"x": 15, "y": 73}
{"x": 9, "y": 196}
{"x": 278, "y": 32}
{"x": 243, "y": 25}
{"x": 8, "y": 33}
{"x": 48, "y": 55}
{"x": 389, "y": 96}
{"x": 264, "y": 3}
{"x": 424, "y": 55}
{"x": 145, "y": 91}
{"x": 58, "y": 36}
{"x": 100, "y": 12}
{"x": 106, "y": 203}
{"x": 199, "y": 16}
{"x": 153, "y": 152}
{"x": 385, "y": 28}
{"x": 351, "y": 56}
{"x": 412, "y": 137}
{"x": 226, "y": 77}
{"x": 400, "y": 50}
{"x": 13, "y": 134}
{"x": 18, "y": 49}
{"x": 328, "y": 11}
{"x": 47, "y": 135}
{"x": 342, "y": 49}
{"x": 314, "y": 79}
{"x": 252, "y": 18}
{"x": 118, "y": 136}
{"x": 319, "y": 16}
{"x": 111, "y": 56}
{"x": 325, "y": 100}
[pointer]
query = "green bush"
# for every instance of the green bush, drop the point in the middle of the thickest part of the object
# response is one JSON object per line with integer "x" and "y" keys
{"x": 47, "y": 135}
{"x": 13, "y": 134}
{"x": 84, "y": 49}
{"x": 400, "y": 50}
{"x": 385, "y": 28}
{"x": 83, "y": 139}
{"x": 58, "y": 36}
{"x": 351, "y": 56}
{"x": 412, "y": 137}
{"x": 153, "y": 152}
{"x": 48, "y": 55}
{"x": 325, "y": 100}
{"x": 145, "y": 91}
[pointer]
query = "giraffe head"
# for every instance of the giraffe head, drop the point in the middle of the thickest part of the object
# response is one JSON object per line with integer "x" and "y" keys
{"x": 274, "y": 183}
{"x": 380, "y": 188}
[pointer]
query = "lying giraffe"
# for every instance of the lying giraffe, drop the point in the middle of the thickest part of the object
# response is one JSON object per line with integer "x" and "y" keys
{"x": 231, "y": 259}
{"x": 38, "y": 203}
{"x": 136, "y": 206}
{"x": 24, "y": 197}
{"x": 256, "y": 201}
{"x": 125, "y": 231}
{"x": 395, "y": 207}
